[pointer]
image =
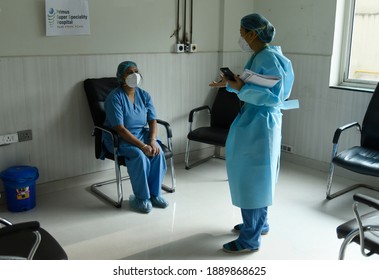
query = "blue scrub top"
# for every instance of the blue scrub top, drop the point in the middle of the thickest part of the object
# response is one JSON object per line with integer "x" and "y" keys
{"x": 253, "y": 143}
{"x": 119, "y": 110}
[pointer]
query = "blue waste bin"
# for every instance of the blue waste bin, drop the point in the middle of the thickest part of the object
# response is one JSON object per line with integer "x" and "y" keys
{"x": 20, "y": 187}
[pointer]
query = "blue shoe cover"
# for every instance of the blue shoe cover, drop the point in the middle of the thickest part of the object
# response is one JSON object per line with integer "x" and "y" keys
{"x": 141, "y": 205}
{"x": 159, "y": 201}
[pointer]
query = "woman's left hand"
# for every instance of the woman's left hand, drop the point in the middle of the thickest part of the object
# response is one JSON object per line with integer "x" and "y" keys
{"x": 221, "y": 83}
{"x": 155, "y": 148}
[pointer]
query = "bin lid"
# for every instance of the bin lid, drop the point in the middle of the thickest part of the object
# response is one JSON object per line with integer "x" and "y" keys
{"x": 18, "y": 172}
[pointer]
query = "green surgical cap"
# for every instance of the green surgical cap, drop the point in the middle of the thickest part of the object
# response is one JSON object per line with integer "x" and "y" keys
{"x": 121, "y": 69}
{"x": 258, "y": 23}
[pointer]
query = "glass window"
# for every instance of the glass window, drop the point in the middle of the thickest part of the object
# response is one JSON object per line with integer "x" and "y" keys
{"x": 361, "y": 62}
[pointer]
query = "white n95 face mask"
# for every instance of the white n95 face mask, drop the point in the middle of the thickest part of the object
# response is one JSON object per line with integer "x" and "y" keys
{"x": 244, "y": 45}
{"x": 133, "y": 80}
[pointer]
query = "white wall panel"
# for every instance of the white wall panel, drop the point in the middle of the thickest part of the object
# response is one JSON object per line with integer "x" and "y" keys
{"x": 310, "y": 129}
{"x": 302, "y": 26}
{"x": 46, "y": 94}
{"x": 120, "y": 26}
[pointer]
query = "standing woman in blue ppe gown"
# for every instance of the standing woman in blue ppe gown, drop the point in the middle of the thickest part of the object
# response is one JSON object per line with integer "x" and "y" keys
{"x": 253, "y": 143}
{"x": 130, "y": 111}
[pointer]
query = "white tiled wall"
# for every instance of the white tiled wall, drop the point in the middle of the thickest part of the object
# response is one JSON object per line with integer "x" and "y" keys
{"x": 45, "y": 94}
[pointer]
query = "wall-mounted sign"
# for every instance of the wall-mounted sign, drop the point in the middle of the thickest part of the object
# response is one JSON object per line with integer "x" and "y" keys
{"x": 67, "y": 17}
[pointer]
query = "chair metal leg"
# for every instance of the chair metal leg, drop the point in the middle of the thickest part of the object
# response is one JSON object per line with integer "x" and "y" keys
{"x": 349, "y": 238}
{"x": 173, "y": 178}
{"x": 350, "y": 188}
{"x": 346, "y": 242}
{"x": 186, "y": 155}
{"x": 330, "y": 179}
{"x": 96, "y": 187}
{"x": 330, "y": 195}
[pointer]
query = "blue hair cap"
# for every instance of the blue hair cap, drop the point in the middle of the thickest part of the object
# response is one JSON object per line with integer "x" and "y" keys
{"x": 258, "y": 23}
{"x": 121, "y": 69}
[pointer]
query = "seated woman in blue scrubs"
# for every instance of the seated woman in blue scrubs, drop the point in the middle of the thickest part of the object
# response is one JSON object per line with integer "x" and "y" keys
{"x": 130, "y": 111}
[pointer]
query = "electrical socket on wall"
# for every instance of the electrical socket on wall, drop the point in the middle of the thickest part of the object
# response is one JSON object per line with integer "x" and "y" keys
{"x": 193, "y": 48}
{"x": 25, "y": 135}
{"x": 8, "y": 139}
{"x": 179, "y": 48}
{"x": 286, "y": 148}
{"x": 20, "y": 136}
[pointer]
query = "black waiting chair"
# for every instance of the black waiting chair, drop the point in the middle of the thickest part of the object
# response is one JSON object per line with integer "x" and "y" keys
{"x": 363, "y": 229}
{"x": 97, "y": 89}
{"x": 28, "y": 241}
{"x": 225, "y": 108}
{"x": 363, "y": 159}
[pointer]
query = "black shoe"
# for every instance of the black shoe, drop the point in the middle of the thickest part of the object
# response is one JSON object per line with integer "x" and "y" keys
{"x": 236, "y": 248}
{"x": 238, "y": 228}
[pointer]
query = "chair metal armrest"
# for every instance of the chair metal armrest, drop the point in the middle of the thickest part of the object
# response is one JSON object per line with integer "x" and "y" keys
{"x": 5, "y": 222}
{"x": 116, "y": 137}
{"x": 168, "y": 132}
{"x": 337, "y": 135}
{"x": 339, "y": 130}
{"x": 167, "y": 126}
{"x": 367, "y": 200}
{"x": 10, "y": 229}
{"x": 112, "y": 132}
{"x": 14, "y": 228}
{"x": 194, "y": 111}
{"x": 198, "y": 109}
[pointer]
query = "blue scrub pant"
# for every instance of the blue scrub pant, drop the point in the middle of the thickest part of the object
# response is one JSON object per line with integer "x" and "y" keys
{"x": 254, "y": 223}
{"x": 146, "y": 173}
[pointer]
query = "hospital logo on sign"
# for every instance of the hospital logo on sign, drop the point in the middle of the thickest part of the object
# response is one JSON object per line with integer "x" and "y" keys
{"x": 51, "y": 16}
{"x": 67, "y": 17}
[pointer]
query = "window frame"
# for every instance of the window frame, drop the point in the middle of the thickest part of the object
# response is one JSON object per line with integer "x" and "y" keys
{"x": 343, "y": 36}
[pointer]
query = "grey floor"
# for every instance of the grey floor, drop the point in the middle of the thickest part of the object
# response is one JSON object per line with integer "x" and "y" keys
{"x": 197, "y": 222}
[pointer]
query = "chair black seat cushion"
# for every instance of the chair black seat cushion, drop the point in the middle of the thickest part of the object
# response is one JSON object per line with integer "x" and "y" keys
{"x": 371, "y": 240}
{"x": 20, "y": 243}
{"x": 209, "y": 135}
{"x": 359, "y": 159}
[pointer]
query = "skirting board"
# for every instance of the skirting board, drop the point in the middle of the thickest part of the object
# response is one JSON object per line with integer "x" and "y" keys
{"x": 324, "y": 167}
{"x": 88, "y": 179}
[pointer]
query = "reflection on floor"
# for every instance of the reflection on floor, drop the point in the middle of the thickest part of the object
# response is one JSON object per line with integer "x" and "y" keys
{"x": 197, "y": 222}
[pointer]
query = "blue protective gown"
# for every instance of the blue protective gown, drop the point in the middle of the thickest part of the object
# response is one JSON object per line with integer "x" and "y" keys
{"x": 146, "y": 173}
{"x": 253, "y": 143}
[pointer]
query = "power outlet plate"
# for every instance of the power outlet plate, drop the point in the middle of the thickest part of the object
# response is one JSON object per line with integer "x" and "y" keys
{"x": 192, "y": 48}
{"x": 8, "y": 139}
{"x": 286, "y": 148}
{"x": 25, "y": 135}
{"x": 179, "y": 48}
